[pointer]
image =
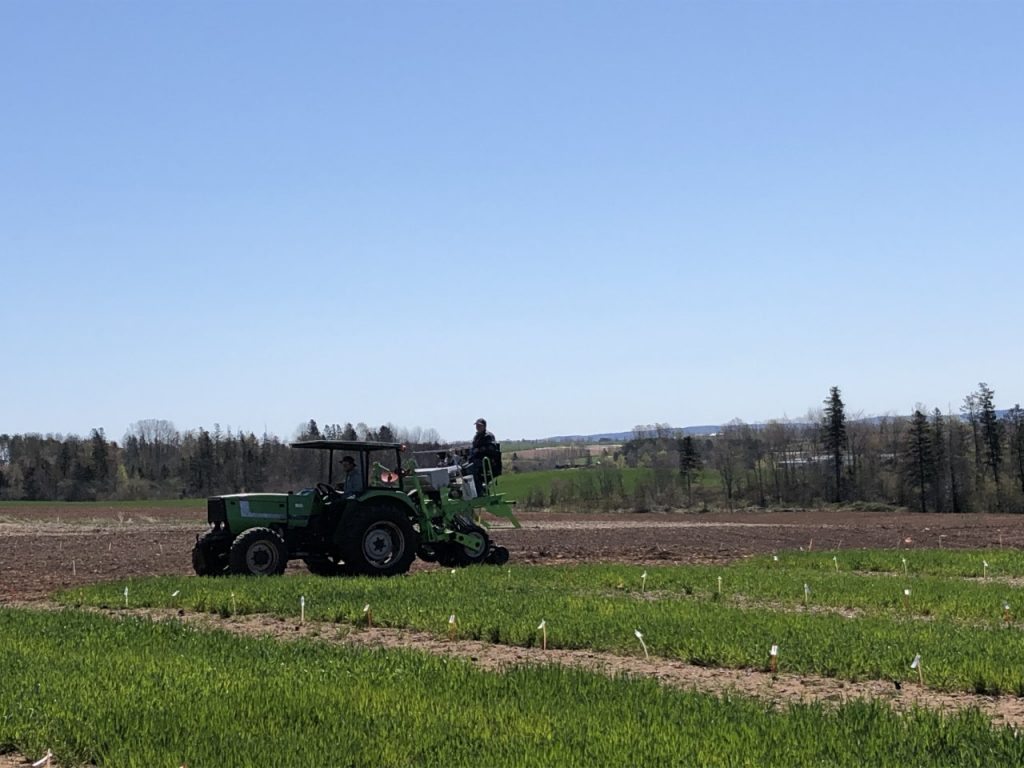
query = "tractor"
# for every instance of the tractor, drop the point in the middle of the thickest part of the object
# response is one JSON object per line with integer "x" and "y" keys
{"x": 399, "y": 514}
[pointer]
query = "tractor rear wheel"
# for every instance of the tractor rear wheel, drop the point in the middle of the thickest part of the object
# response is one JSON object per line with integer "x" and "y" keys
{"x": 210, "y": 554}
{"x": 378, "y": 541}
{"x": 258, "y": 552}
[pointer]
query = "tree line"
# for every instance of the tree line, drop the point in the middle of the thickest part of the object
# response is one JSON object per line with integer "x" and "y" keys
{"x": 969, "y": 461}
{"x": 155, "y": 460}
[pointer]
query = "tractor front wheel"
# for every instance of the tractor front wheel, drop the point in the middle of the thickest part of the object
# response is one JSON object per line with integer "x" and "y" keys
{"x": 258, "y": 552}
{"x": 210, "y": 554}
{"x": 379, "y": 541}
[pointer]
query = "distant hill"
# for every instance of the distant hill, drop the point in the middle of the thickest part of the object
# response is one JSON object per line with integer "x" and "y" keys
{"x": 703, "y": 429}
{"x": 621, "y": 437}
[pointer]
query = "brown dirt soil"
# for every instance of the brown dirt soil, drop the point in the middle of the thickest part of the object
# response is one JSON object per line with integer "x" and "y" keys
{"x": 47, "y": 548}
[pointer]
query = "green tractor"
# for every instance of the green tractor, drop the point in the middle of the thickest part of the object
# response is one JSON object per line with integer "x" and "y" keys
{"x": 378, "y": 531}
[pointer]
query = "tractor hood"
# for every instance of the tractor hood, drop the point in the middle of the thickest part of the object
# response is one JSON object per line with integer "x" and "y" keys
{"x": 248, "y": 510}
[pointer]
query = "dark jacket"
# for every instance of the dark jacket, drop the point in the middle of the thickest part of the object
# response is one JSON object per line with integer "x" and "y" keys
{"x": 484, "y": 445}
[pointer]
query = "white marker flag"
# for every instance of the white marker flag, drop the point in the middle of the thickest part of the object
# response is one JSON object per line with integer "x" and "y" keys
{"x": 774, "y": 651}
{"x": 542, "y": 624}
{"x": 916, "y": 662}
{"x": 640, "y": 637}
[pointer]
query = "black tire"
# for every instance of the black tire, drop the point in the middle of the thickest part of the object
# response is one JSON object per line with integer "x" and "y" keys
{"x": 258, "y": 552}
{"x": 326, "y": 565}
{"x": 378, "y": 541}
{"x": 448, "y": 553}
{"x": 497, "y": 556}
{"x": 427, "y": 552}
{"x": 471, "y": 555}
{"x": 210, "y": 554}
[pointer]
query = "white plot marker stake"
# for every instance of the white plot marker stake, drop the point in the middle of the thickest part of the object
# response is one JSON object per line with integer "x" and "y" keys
{"x": 543, "y": 627}
{"x": 643, "y": 582}
{"x": 302, "y": 609}
{"x": 719, "y": 585}
{"x": 904, "y": 566}
{"x": 835, "y": 562}
{"x": 126, "y": 597}
{"x": 368, "y": 614}
{"x": 453, "y": 627}
{"x": 984, "y": 568}
{"x": 807, "y": 592}
{"x": 640, "y": 637}
{"x": 773, "y": 656}
{"x": 1006, "y": 613}
{"x": 916, "y": 664}
{"x": 906, "y": 599}
{"x": 234, "y": 604}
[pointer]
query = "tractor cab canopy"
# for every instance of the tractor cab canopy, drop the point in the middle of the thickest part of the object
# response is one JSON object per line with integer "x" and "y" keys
{"x": 385, "y": 458}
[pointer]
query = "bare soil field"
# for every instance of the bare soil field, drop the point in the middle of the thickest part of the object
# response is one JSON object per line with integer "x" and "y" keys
{"x": 46, "y": 548}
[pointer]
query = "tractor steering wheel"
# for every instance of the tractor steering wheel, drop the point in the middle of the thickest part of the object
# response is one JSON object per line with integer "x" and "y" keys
{"x": 328, "y": 492}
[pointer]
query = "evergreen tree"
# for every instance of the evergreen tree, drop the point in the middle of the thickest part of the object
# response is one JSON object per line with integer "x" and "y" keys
{"x": 991, "y": 432}
{"x": 833, "y": 434}
{"x": 689, "y": 464}
{"x": 920, "y": 456}
{"x": 99, "y": 456}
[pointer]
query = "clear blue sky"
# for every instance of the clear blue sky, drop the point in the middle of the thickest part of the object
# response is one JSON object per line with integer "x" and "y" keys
{"x": 568, "y": 217}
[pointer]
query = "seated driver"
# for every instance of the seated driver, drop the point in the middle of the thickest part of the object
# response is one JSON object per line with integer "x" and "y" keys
{"x": 352, "y": 485}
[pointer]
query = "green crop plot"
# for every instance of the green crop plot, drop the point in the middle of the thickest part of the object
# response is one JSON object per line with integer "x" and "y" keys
{"x": 132, "y": 692}
{"x": 847, "y": 624}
